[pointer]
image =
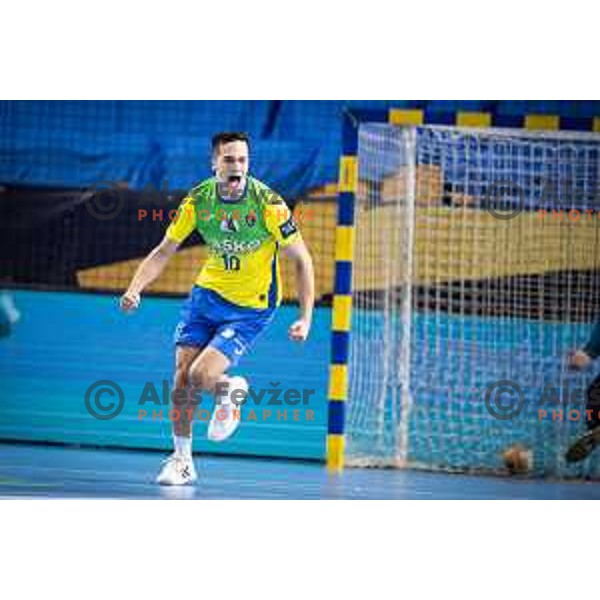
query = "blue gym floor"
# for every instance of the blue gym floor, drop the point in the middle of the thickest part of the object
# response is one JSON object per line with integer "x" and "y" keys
{"x": 63, "y": 472}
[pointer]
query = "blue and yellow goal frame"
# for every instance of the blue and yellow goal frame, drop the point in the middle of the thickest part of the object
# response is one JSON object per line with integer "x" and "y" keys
{"x": 344, "y": 237}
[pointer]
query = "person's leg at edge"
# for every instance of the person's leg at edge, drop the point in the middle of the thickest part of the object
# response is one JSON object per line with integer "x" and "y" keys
{"x": 589, "y": 441}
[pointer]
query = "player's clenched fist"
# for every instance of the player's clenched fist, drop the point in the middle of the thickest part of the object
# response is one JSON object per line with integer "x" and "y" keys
{"x": 298, "y": 331}
{"x": 129, "y": 301}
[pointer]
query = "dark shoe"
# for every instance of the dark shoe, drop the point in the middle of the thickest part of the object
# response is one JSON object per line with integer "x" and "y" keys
{"x": 584, "y": 446}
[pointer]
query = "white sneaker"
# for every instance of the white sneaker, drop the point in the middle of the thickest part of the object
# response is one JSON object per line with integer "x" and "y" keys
{"x": 226, "y": 416}
{"x": 177, "y": 470}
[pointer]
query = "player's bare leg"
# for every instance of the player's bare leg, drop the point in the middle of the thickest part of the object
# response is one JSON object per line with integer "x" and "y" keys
{"x": 208, "y": 372}
{"x": 179, "y": 467}
{"x": 184, "y": 358}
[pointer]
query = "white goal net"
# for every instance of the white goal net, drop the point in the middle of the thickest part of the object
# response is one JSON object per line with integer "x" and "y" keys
{"x": 473, "y": 278}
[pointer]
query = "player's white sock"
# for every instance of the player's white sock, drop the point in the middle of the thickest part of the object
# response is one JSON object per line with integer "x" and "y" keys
{"x": 226, "y": 414}
{"x": 183, "y": 445}
{"x": 224, "y": 383}
{"x": 233, "y": 384}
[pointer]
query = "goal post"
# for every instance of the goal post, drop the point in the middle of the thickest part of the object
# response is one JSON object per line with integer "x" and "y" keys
{"x": 342, "y": 296}
{"x": 457, "y": 282}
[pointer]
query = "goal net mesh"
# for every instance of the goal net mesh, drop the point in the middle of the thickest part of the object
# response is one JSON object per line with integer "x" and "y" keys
{"x": 477, "y": 269}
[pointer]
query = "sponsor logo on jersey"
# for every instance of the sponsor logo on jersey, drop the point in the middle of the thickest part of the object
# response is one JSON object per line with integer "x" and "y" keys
{"x": 230, "y": 225}
{"x": 288, "y": 228}
{"x": 234, "y": 246}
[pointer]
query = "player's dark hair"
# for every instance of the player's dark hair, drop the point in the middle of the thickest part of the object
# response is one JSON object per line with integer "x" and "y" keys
{"x": 224, "y": 137}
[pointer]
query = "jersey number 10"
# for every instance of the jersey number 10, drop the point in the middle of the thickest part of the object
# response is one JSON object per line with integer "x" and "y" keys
{"x": 232, "y": 263}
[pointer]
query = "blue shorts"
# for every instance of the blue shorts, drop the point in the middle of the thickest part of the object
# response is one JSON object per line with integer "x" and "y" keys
{"x": 207, "y": 319}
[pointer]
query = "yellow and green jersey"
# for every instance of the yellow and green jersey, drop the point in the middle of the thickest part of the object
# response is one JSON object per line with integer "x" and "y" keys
{"x": 242, "y": 237}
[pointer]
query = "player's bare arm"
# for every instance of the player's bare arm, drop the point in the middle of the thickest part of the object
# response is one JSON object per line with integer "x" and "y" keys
{"x": 305, "y": 277}
{"x": 148, "y": 271}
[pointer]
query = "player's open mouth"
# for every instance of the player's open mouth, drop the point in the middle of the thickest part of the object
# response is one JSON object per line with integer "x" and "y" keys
{"x": 234, "y": 181}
